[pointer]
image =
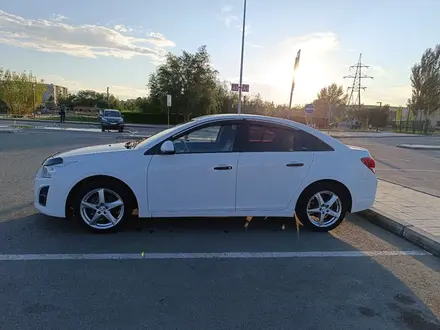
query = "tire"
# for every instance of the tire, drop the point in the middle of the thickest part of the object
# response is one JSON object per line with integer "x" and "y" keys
{"x": 102, "y": 129}
{"x": 120, "y": 130}
{"x": 331, "y": 217}
{"x": 114, "y": 192}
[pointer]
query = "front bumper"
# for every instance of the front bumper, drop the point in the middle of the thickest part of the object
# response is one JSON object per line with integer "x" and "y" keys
{"x": 49, "y": 199}
{"x": 113, "y": 125}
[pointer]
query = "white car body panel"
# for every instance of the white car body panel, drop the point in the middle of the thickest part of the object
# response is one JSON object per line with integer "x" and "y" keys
{"x": 182, "y": 185}
{"x": 188, "y": 183}
{"x": 269, "y": 181}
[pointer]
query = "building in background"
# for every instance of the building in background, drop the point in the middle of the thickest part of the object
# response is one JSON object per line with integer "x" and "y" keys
{"x": 53, "y": 93}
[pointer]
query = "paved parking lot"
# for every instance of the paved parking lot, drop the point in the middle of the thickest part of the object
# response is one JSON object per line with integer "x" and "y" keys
{"x": 198, "y": 273}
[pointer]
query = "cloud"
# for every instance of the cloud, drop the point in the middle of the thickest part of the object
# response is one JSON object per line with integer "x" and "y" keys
{"x": 230, "y": 20}
{"x": 90, "y": 41}
{"x": 226, "y": 9}
{"x": 122, "y": 28}
{"x": 58, "y": 17}
{"x": 233, "y": 20}
{"x": 252, "y": 45}
{"x": 320, "y": 42}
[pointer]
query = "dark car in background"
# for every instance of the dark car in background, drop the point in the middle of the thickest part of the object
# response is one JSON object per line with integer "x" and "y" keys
{"x": 111, "y": 119}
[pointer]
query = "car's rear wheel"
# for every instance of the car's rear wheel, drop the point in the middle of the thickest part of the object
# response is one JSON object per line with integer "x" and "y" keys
{"x": 322, "y": 207}
{"x": 102, "y": 128}
{"x": 103, "y": 206}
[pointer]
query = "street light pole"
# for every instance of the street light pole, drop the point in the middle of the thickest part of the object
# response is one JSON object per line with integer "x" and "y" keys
{"x": 241, "y": 60}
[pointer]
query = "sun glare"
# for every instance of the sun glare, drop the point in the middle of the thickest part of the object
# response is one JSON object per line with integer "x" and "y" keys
{"x": 313, "y": 72}
{"x": 310, "y": 77}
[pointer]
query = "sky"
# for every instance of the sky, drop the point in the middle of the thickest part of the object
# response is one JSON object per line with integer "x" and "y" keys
{"x": 94, "y": 44}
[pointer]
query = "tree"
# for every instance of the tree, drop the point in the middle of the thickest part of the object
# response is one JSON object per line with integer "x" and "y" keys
{"x": 332, "y": 95}
{"x": 20, "y": 91}
{"x": 425, "y": 82}
{"x": 191, "y": 81}
{"x": 69, "y": 101}
{"x": 374, "y": 116}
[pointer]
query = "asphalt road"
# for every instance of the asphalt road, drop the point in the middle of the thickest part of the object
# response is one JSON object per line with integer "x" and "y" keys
{"x": 416, "y": 169}
{"x": 92, "y": 127}
{"x": 326, "y": 282}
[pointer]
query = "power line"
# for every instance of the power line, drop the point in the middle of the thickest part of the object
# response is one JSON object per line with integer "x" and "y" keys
{"x": 356, "y": 88}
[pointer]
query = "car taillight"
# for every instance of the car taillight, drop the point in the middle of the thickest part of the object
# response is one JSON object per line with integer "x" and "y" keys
{"x": 370, "y": 163}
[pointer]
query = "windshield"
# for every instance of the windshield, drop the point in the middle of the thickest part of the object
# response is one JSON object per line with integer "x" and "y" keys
{"x": 158, "y": 136}
{"x": 112, "y": 113}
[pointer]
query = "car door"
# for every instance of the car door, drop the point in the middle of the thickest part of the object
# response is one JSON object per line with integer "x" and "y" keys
{"x": 200, "y": 177}
{"x": 270, "y": 170}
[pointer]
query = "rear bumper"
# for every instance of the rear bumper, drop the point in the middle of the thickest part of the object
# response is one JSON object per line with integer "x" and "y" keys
{"x": 365, "y": 195}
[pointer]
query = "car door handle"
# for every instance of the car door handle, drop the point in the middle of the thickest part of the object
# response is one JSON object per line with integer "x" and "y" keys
{"x": 223, "y": 168}
{"x": 294, "y": 164}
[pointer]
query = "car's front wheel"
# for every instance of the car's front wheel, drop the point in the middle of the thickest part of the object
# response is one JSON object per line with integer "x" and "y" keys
{"x": 103, "y": 206}
{"x": 322, "y": 207}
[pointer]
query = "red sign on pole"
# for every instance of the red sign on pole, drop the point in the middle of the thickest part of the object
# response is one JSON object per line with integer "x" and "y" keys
{"x": 236, "y": 87}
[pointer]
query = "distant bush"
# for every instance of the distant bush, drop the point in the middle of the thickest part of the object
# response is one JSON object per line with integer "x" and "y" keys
{"x": 151, "y": 118}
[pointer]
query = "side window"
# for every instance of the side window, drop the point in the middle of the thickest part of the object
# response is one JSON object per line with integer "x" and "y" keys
{"x": 308, "y": 142}
{"x": 208, "y": 139}
{"x": 263, "y": 138}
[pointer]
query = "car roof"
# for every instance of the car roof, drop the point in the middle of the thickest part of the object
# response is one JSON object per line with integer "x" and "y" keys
{"x": 112, "y": 110}
{"x": 275, "y": 120}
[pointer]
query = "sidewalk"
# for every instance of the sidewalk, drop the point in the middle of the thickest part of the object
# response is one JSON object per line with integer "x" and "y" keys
{"x": 419, "y": 146}
{"x": 407, "y": 213}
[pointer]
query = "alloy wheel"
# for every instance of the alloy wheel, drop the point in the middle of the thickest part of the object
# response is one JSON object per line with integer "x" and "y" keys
{"x": 324, "y": 209}
{"x": 102, "y": 208}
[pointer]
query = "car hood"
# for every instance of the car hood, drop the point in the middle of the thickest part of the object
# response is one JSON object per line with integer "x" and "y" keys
{"x": 116, "y": 147}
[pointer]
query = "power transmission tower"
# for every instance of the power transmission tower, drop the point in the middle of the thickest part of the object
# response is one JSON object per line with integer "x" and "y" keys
{"x": 356, "y": 88}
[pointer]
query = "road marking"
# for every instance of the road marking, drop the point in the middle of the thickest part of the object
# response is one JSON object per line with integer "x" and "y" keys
{"x": 208, "y": 255}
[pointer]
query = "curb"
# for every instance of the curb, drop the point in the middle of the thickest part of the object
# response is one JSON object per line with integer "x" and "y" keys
{"x": 403, "y": 229}
{"x": 8, "y": 129}
{"x": 418, "y": 147}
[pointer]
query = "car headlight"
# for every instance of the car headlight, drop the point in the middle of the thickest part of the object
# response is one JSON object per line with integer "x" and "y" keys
{"x": 104, "y": 119}
{"x": 50, "y": 166}
{"x": 47, "y": 171}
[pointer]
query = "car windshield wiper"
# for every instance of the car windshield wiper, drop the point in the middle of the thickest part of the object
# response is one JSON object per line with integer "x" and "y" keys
{"x": 129, "y": 144}
{"x": 134, "y": 143}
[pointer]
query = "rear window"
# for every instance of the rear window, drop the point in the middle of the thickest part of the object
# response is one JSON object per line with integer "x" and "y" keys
{"x": 308, "y": 142}
{"x": 269, "y": 139}
{"x": 112, "y": 113}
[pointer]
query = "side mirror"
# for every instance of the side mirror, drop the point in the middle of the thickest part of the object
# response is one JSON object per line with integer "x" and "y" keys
{"x": 167, "y": 148}
{"x": 122, "y": 116}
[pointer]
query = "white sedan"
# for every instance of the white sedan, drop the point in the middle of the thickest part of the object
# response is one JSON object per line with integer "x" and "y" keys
{"x": 212, "y": 166}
